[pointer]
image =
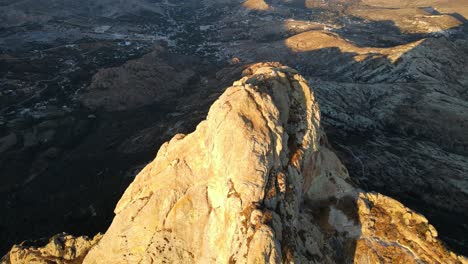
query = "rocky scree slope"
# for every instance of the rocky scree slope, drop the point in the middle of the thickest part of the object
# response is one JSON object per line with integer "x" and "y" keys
{"x": 256, "y": 182}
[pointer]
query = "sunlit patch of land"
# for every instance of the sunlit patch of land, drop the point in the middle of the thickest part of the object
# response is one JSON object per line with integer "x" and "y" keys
{"x": 420, "y": 16}
{"x": 317, "y": 40}
{"x": 409, "y": 20}
{"x": 443, "y": 6}
{"x": 256, "y": 5}
{"x": 299, "y": 26}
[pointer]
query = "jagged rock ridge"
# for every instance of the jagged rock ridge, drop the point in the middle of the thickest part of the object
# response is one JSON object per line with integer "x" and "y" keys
{"x": 257, "y": 182}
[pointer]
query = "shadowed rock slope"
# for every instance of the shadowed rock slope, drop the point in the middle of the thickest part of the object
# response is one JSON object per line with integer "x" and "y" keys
{"x": 256, "y": 182}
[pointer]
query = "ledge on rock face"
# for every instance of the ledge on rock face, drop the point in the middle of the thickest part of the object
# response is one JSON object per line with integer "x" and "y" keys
{"x": 257, "y": 182}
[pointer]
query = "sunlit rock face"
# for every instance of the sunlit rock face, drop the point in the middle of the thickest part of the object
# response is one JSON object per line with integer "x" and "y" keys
{"x": 257, "y": 182}
{"x": 256, "y": 5}
{"x": 232, "y": 190}
{"x": 391, "y": 233}
{"x": 61, "y": 248}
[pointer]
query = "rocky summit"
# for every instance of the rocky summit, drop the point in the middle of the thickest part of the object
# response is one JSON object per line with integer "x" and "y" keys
{"x": 256, "y": 182}
{"x": 90, "y": 89}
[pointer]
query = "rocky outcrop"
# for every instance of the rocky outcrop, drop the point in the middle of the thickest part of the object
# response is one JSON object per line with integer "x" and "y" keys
{"x": 228, "y": 191}
{"x": 390, "y": 77}
{"x": 392, "y": 92}
{"x": 260, "y": 5}
{"x": 60, "y": 249}
{"x": 390, "y": 231}
{"x": 256, "y": 182}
